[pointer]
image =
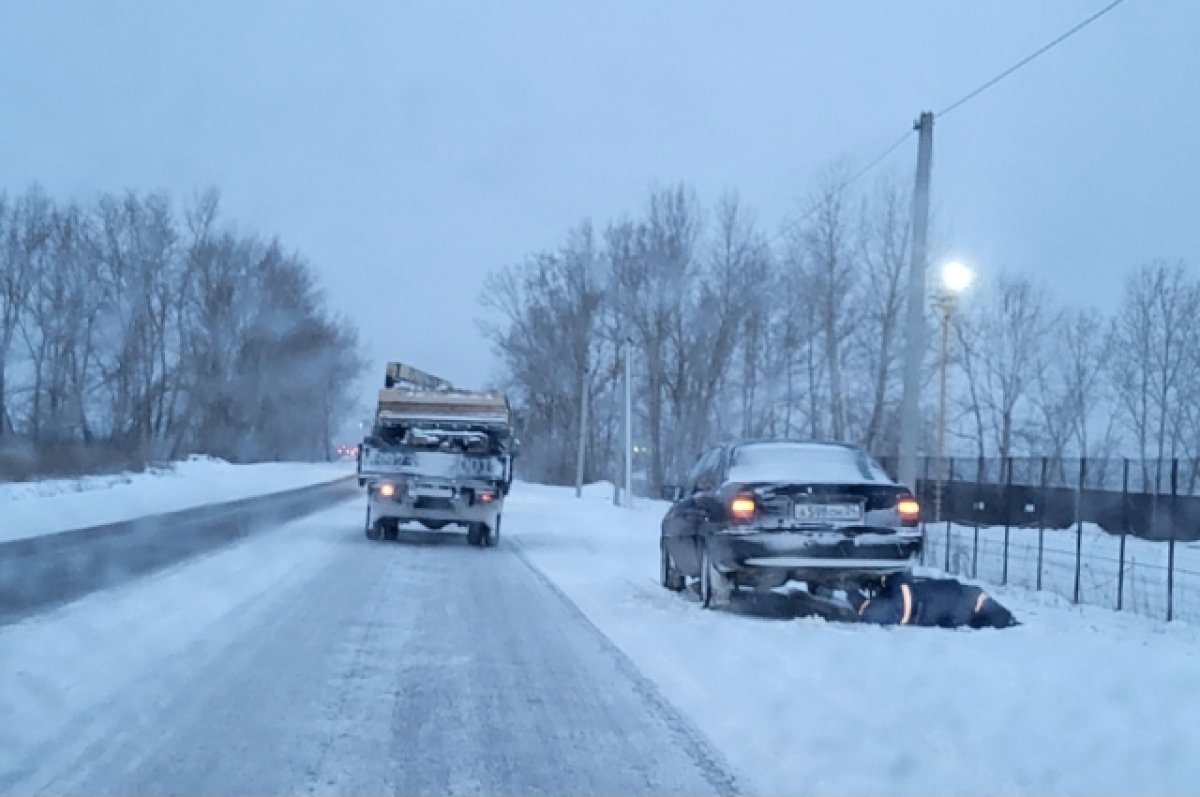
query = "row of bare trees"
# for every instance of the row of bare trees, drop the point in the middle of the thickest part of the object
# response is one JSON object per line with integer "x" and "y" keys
{"x": 735, "y": 332}
{"x": 732, "y": 333}
{"x": 131, "y": 331}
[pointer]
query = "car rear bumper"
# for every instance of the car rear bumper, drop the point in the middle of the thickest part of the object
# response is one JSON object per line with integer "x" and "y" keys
{"x": 869, "y": 554}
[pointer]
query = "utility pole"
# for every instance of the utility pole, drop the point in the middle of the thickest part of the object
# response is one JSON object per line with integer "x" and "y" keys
{"x": 914, "y": 353}
{"x": 628, "y": 422}
{"x": 583, "y": 433}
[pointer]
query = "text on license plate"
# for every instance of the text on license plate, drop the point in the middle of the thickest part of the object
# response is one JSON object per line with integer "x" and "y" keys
{"x": 829, "y": 512}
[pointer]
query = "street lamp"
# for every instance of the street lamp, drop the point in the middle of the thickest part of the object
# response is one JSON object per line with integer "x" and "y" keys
{"x": 956, "y": 278}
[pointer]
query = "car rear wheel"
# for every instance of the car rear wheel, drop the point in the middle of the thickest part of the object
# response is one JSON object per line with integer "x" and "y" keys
{"x": 715, "y": 587}
{"x": 669, "y": 577}
{"x": 391, "y": 528}
{"x": 477, "y": 535}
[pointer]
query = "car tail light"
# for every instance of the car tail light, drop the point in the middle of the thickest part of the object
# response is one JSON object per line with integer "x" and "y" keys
{"x": 742, "y": 509}
{"x": 487, "y": 498}
{"x": 387, "y": 490}
{"x": 909, "y": 510}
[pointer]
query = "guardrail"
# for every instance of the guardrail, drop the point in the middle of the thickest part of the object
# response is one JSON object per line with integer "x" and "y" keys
{"x": 40, "y": 572}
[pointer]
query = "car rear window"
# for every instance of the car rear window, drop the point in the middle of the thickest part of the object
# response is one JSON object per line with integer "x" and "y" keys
{"x": 805, "y": 463}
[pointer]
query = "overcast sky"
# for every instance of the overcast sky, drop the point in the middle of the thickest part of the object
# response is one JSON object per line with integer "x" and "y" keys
{"x": 408, "y": 149}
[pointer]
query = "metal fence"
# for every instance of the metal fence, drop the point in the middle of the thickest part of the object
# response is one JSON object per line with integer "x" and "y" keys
{"x": 1120, "y": 533}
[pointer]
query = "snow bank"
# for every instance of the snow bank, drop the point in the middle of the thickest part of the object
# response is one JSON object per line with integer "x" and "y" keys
{"x": 1077, "y": 700}
{"x": 1145, "y": 565}
{"x": 30, "y": 509}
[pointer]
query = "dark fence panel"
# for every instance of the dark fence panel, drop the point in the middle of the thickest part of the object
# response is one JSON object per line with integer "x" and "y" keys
{"x": 1117, "y": 533}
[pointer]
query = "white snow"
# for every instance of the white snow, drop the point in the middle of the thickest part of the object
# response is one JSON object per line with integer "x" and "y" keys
{"x": 30, "y": 509}
{"x": 808, "y": 463}
{"x": 1077, "y": 700}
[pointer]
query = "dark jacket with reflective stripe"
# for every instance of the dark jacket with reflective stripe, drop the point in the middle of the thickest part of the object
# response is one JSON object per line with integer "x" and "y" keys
{"x": 944, "y": 603}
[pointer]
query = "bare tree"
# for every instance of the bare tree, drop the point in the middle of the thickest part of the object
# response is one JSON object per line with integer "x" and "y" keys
{"x": 1155, "y": 340}
{"x": 1001, "y": 336}
{"x": 884, "y": 253}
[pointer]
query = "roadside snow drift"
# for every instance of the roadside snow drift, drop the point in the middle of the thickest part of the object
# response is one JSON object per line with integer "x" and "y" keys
{"x": 1076, "y": 700}
{"x": 30, "y": 509}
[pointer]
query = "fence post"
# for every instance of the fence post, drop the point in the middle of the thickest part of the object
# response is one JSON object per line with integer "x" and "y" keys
{"x": 975, "y": 519}
{"x": 1124, "y": 532}
{"x": 1007, "y": 517}
{"x": 949, "y": 480}
{"x": 1042, "y": 521}
{"x": 1079, "y": 529}
{"x": 1171, "y": 540}
{"x": 922, "y": 492}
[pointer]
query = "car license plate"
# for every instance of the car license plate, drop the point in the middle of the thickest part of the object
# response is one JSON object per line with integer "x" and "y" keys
{"x": 829, "y": 513}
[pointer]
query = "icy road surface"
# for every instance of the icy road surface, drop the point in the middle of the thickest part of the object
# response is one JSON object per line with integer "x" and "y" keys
{"x": 309, "y": 660}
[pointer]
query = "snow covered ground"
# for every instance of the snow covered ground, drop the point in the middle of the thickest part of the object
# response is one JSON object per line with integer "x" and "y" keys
{"x": 30, "y": 509}
{"x": 1078, "y": 700}
{"x": 1145, "y": 565}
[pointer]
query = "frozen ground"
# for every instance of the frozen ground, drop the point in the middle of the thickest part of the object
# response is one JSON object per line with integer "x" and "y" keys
{"x": 29, "y": 509}
{"x": 1144, "y": 563}
{"x": 309, "y": 660}
{"x": 1076, "y": 701}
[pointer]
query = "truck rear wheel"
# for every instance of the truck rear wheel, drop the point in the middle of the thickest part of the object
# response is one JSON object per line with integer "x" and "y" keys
{"x": 374, "y": 530}
{"x": 391, "y": 528}
{"x": 476, "y": 534}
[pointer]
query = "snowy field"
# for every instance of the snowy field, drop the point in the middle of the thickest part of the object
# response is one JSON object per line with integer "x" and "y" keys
{"x": 1078, "y": 700}
{"x": 30, "y": 509}
{"x": 1145, "y": 565}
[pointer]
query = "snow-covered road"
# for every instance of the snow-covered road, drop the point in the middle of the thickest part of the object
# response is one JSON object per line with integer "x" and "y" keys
{"x": 309, "y": 660}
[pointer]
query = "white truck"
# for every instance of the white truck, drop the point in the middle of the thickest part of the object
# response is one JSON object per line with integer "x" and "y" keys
{"x": 436, "y": 456}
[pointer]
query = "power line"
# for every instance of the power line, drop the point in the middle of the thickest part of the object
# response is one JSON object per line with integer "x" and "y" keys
{"x": 878, "y": 159}
{"x": 1045, "y": 48}
{"x": 796, "y": 223}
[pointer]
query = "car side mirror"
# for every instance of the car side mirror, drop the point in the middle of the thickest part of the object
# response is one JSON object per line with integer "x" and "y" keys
{"x": 672, "y": 492}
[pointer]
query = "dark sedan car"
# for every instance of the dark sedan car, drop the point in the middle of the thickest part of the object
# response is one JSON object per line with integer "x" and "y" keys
{"x": 763, "y": 513}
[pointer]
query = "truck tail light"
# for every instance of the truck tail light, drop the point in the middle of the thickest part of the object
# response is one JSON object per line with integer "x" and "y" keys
{"x": 387, "y": 490}
{"x": 487, "y": 498}
{"x": 909, "y": 511}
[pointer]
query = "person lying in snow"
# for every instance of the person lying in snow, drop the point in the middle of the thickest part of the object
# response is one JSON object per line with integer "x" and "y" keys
{"x": 943, "y": 602}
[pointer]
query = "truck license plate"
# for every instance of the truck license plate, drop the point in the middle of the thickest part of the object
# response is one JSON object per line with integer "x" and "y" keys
{"x": 432, "y": 491}
{"x": 826, "y": 513}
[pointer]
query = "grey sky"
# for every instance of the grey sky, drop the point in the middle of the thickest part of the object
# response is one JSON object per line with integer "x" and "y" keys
{"x": 408, "y": 149}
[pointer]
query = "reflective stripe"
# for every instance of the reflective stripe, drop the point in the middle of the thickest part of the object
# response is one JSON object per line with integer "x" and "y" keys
{"x": 864, "y": 606}
{"x": 906, "y": 594}
{"x": 980, "y": 601}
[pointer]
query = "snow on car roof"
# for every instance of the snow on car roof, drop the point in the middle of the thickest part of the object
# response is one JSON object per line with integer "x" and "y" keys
{"x": 810, "y": 463}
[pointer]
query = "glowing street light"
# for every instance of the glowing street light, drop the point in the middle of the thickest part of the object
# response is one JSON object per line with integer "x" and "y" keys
{"x": 956, "y": 278}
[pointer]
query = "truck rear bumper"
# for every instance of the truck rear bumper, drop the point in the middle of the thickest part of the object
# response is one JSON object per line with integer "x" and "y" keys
{"x": 451, "y": 512}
